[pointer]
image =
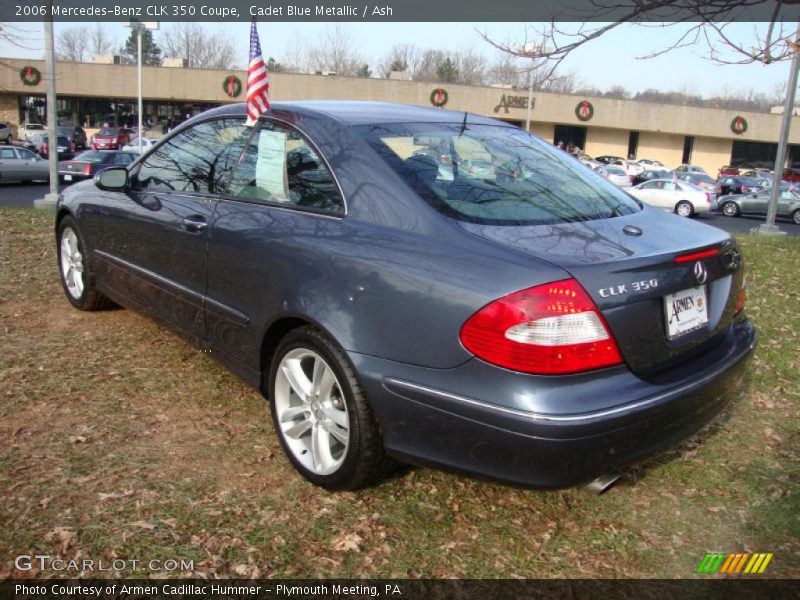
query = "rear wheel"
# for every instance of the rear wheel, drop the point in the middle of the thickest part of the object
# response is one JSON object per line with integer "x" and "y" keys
{"x": 730, "y": 209}
{"x": 796, "y": 217}
{"x": 323, "y": 420}
{"x": 684, "y": 208}
{"x": 77, "y": 276}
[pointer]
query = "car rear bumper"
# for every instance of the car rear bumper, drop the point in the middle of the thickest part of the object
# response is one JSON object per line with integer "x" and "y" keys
{"x": 506, "y": 426}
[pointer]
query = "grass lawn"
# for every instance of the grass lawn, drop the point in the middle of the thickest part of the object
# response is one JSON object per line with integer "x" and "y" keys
{"x": 120, "y": 440}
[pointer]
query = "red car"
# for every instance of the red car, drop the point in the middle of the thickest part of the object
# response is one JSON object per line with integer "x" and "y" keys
{"x": 791, "y": 174}
{"x": 110, "y": 138}
{"x": 728, "y": 170}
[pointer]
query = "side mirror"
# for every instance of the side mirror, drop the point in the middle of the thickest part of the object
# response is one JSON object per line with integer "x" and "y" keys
{"x": 114, "y": 179}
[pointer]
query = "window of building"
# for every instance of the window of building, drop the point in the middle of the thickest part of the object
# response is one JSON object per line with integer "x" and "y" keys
{"x": 198, "y": 159}
{"x": 633, "y": 144}
{"x": 688, "y": 146}
{"x": 279, "y": 166}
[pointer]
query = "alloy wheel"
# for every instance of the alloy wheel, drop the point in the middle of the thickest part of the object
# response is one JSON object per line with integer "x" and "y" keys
{"x": 71, "y": 263}
{"x": 311, "y": 411}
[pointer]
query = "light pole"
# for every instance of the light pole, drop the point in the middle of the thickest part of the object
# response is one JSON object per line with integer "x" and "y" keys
{"x": 138, "y": 26}
{"x": 529, "y": 49}
{"x": 768, "y": 227}
{"x": 52, "y": 112}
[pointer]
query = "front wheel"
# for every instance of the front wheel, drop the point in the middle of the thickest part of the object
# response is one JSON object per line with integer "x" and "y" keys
{"x": 323, "y": 420}
{"x": 730, "y": 209}
{"x": 684, "y": 208}
{"x": 77, "y": 276}
{"x": 796, "y": 217}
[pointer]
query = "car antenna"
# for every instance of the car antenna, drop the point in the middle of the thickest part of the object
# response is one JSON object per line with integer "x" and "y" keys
{"x": 463, "y": 124}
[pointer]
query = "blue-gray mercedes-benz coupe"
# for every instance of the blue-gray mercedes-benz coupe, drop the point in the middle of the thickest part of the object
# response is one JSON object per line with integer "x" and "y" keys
{"x": 420, "y": 285}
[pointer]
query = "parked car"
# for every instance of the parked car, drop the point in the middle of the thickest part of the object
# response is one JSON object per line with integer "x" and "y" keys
{"x": 690, "y": 169}
{"x": 631, "y": 168}
{"x": 65, "y": 148}
{"x": 614, "y": 174}
{"x": 133, "y": 145}
{"x": 87, "y": 164}
{"x": 758, "y": 203}
{"x": 75, "y": 133}
{"x": 5, "y": 132}
{"x": 730, "y": 184}
{"x": 791, "y": 175}
{"x": 704, "y": 182}
{"x": 650, "y": 174}
{"x": 607, "y": 159}
{"x": 110, "y": 138}
{"x": 543, "y": 332}
{"x": 758, "y": 173}
{"x": 680, "y": 197}
{"x": 20, "y": 164}
{"x": 652, "y": 165}
{"x": 26, "y": 129}
{"x": 34, "y": 142}
{"x": 727, "y": 170}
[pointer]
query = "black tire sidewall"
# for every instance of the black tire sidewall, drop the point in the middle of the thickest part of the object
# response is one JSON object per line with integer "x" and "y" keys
{"x": 318, "y": 343}
{"x": 735, "y": 210}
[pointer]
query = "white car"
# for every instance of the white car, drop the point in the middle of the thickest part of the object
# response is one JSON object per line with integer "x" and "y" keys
{"x": 631, "y": 167}
{"x": 680, "y": 197}
{"x": 652, "y": 165}
{"x": 133, "y": 145}
{"x": 27, "y": 129}
{"x": 614, "y": 174}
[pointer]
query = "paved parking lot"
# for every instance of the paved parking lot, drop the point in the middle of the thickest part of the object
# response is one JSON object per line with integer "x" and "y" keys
{"x": 22, "y": 196}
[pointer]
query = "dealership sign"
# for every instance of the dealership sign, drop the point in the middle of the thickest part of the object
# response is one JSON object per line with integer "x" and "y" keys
{"x": 507, "y": 102}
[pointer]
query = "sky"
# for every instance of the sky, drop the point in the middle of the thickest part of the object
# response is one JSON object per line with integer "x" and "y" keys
{"x": 605, "y": 62}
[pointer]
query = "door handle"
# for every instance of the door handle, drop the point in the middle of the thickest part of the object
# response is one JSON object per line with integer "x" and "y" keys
{"x": 195, "y": 223}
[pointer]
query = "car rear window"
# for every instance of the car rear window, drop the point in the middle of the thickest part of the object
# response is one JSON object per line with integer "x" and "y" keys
{"x": 108, "y": 131}
{"x": 494, "y": 174}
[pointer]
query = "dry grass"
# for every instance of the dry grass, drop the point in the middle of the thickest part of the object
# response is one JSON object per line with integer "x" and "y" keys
{"x": 119, "y": 439}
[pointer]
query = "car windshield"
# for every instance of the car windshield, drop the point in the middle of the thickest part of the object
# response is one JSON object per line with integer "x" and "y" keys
{"x": 494, "y": 174}
{"x": 615, "y": 171}
{"x": 65, "y": 130}
{"x": 108, "y": 131}
{"x": 701, "y": 178}
{"x": 90, "y": 156}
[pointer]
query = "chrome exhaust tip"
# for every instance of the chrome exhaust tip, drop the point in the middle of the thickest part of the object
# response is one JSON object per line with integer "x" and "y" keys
{"x": 602, "y": 484}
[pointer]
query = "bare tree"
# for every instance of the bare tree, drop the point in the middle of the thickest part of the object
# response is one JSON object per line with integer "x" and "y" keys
{"x": 426, "y": 63}
{"x": 471, "y": 67}
{"x": 695, "y": 22}
{"x": 335, "y": 52}
{"x": 99, "y": 40}
{"x": 199, "y": 48}
{"x": 399, "y": 58}
{"x": 73, "y": 44}
{"x": 505, "y": 70}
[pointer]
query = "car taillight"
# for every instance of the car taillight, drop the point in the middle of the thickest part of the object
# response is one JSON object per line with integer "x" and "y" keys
{"x": 87, "y": 169}
{"x": 744, "y": 189}
{"x": 44, "y": 148}
{"x": 708, "y": 198}
{"x": 550, "y": 329}
{"x": 72, "y": 147}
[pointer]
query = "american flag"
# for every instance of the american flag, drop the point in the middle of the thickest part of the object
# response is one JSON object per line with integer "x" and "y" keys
{"x": 257, "y": 80}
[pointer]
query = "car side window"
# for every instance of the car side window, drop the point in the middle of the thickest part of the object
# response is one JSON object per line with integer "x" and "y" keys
{"x": 123, "y": 158}
{"x": 7, "y": 153}
{"x": 280, "y": 166}
{"x": 670, "y": 186}
{"x": 651, "y": 185}
{"x": 25, "y": 154}
{"x": 198, "y": 159}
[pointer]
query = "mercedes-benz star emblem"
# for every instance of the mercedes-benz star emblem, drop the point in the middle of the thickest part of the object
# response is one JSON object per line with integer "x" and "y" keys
{"x": 700, "y": 273}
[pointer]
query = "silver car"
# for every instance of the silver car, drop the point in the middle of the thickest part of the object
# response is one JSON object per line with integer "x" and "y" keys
{"x": 20, "y": 164}
{"x": 681, "y": 197}
{"x": 757, "y": 204}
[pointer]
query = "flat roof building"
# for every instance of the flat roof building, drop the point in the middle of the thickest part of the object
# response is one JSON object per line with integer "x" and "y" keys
{"x": 93, "y": 94}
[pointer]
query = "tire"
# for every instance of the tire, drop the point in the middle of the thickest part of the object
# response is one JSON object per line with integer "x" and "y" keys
{"x": 730, "y": 209}
{"x": 331, "y": 437}
{"x": 75, "y": 269}
{"x": 684, "y": 208}
{"x": 796, "y": 217}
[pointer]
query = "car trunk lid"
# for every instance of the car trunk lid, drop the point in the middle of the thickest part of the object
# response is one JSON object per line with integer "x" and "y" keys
{"x": 633, "y": 267}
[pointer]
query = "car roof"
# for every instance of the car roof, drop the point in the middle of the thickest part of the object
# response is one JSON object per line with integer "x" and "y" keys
{"x": 350, "y": 112}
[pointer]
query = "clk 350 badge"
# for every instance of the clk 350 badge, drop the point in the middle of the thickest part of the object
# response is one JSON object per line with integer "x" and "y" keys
{"x": 635, "y": 286}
